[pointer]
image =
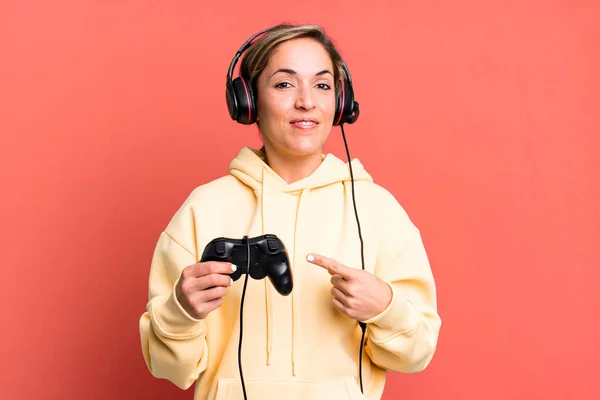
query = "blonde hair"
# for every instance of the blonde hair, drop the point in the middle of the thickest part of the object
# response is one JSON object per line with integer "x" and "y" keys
{"x": 258, "y": 55}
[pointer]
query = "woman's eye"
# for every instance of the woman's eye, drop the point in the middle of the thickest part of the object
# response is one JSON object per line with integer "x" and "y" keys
{"x": 283, "y": 85}
{"x": 323, "y": 86}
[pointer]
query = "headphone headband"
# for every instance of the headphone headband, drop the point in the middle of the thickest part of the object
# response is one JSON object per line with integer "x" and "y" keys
{"x": 241, "y": 51}
{"x": 241, "y": 101}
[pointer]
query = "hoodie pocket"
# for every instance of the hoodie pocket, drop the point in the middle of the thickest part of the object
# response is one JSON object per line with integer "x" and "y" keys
{"x": 337, "y": 389}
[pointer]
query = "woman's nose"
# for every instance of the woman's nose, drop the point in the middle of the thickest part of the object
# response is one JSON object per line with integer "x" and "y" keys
{"x": 304, "y": 98}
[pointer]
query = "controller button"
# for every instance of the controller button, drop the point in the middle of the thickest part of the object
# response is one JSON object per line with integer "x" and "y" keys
{"x": 220, "y": 248}
{"x": 273, "y": 245}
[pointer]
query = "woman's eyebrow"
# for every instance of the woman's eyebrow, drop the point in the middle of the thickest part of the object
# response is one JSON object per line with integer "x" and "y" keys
{"x": 292, "y": 72}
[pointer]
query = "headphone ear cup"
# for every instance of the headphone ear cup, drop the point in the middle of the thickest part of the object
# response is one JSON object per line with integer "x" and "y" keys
{"x": 240, "y": 100}
{"x": 345, "y": 106}
{"x": 350, "y": 106}
{"x": 232, "y": 101}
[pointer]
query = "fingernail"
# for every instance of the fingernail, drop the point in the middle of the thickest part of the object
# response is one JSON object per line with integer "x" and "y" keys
{"x": 233, "y": 267}
{"x": 230, "y": 281}
{"x": 310, "y": 258}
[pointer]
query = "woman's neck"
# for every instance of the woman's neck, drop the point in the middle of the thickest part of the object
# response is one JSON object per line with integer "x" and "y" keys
{"x": 290, "y": 168}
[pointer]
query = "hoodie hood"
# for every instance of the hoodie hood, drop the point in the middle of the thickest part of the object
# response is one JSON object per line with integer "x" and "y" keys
{"x": 251, "y": 169}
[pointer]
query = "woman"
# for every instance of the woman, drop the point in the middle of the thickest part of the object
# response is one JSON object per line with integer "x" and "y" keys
{"x": 304, "y": 345}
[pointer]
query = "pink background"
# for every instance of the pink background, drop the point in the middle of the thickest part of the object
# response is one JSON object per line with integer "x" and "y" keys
{"x": 481, "y": 117}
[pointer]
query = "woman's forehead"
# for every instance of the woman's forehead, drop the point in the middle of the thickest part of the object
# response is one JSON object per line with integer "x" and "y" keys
{"x": 301, "y": 56}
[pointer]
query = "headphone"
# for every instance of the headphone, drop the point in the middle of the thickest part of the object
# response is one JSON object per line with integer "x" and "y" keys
{"x": 242, "y": 105}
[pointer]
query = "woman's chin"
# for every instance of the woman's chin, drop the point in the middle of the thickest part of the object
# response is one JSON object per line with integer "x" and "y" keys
{"x": 304, "y": 148}
{"x": 305, "y": 145}
{"x": 299, "y": 145}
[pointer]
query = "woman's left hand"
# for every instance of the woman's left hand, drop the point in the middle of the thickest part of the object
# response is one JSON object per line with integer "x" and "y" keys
{"x": 356, "y": 293}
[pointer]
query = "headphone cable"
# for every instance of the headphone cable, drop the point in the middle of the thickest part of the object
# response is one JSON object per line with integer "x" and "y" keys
{"x": 363, "y": 326}
{"x": 245, "y": 239}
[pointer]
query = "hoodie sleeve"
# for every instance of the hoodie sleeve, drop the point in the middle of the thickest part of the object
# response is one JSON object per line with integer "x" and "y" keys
{"x": 404, "y": 336}
{"x": 173, "y": 343}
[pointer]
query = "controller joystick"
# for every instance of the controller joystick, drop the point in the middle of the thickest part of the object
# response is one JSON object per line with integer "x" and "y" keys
{"x": 268, "y": 257}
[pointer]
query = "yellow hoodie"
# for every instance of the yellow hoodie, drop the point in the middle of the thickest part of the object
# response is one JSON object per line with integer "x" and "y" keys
{"x": 294, "y": 347}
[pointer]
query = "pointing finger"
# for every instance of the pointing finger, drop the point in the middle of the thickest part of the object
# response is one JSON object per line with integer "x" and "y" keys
{"x": 323, "y": 262}
{"x": 332, "y": 266}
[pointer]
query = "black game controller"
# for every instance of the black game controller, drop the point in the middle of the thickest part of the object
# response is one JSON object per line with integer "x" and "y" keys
{"x": 268, "y": 257}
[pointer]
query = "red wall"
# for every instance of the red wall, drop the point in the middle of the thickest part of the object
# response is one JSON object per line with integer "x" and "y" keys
{"x": 481, "y": 117}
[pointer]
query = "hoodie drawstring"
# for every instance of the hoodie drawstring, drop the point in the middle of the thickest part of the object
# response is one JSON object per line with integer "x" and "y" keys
{"x": 268, "y": 303}
{"x": 295, "y": 319}
{"x": 269, "y": 320}
{"x": 266, "y": 199}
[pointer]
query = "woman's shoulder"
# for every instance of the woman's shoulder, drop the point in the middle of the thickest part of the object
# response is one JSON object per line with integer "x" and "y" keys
{"x": 211, "y": 202}
{"x": 216, "y": 189}
{"x": 381, "y": 201}
{"x": 369, "y": 191}
{"x": 214, "y": 195}
{"x": 374, "y": 192}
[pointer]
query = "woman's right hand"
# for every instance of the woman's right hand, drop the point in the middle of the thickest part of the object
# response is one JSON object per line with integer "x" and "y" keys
{"x": 202, "y": 286}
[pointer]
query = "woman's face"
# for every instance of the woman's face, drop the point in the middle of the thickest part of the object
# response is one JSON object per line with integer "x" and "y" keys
{"x": 296, "y": 98}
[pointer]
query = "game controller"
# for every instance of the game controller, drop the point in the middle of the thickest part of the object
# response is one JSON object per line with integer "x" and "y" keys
{"x": 268, "y": 257}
